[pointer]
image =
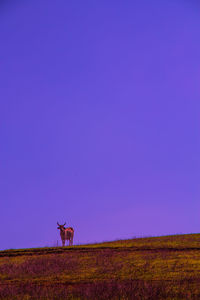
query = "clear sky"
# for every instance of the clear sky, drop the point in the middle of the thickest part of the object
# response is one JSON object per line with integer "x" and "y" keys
{"x": 99, "y": 119}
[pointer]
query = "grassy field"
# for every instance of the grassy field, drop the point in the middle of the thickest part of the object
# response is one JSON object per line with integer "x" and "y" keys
{"x": 145, "y": 268}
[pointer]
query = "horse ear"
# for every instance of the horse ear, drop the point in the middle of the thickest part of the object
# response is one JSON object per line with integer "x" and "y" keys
{"x": 64, "y": 224}
{"x": 58, "y": 224}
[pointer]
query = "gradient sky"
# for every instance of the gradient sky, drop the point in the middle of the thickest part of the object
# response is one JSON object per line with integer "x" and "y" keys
{"x": 99, "y": 119}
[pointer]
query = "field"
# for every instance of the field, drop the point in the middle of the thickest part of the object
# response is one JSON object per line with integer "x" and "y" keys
{"x": 144, "y": 268}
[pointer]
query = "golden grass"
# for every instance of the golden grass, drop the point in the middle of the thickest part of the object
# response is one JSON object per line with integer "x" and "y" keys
{"x": 168, "y": 267}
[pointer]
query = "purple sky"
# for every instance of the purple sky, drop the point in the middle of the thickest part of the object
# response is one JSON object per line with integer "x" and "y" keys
{"x": 99, "y": 119}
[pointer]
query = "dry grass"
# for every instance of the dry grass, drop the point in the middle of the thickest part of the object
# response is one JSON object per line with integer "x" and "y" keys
{"x": 161, "y": 268}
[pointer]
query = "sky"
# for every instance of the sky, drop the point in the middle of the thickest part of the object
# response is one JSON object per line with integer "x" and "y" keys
{"x": 99, "y": 120}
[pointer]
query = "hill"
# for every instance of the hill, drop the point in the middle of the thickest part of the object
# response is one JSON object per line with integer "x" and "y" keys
{"x": 165, "y": 267}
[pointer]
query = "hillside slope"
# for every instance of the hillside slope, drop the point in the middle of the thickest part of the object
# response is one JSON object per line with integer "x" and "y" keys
{"x": 145, "y": 268}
